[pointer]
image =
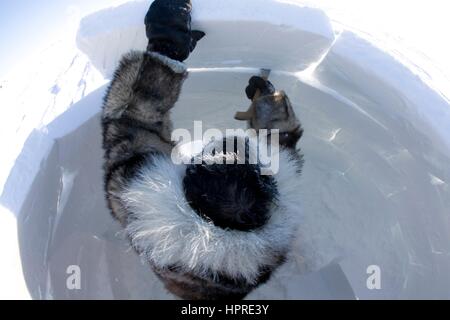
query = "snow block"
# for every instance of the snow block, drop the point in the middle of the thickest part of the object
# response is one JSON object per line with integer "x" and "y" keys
{"x": 254, "y": 33}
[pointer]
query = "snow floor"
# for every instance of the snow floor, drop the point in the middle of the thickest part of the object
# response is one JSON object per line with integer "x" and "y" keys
{"x": 375, "y": 181}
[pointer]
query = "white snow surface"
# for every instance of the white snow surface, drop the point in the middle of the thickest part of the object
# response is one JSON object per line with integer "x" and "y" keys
{"x": 376, "y": 145}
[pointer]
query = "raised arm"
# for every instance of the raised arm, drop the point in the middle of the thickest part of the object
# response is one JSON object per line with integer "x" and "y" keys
{"x": 136, "y": 112}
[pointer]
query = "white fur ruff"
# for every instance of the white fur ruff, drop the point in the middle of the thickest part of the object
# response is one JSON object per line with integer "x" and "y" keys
{"x": 168, "y": 232}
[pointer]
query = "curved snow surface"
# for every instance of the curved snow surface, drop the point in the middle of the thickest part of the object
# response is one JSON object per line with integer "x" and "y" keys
{"x": 375, "y": 182}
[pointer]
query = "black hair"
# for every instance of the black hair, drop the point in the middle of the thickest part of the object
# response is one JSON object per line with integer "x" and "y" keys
{"x": 234, "y": 196}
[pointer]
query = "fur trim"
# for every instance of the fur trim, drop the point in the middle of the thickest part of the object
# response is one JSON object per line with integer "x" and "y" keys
{"x": 122, "y": 88}
{"x": 166, "y": 231}
{"x": 120, "y": 91}
{"x": 176, "y": 66}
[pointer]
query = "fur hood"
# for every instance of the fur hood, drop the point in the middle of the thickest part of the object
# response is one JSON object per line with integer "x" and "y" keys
{"x": 166, "y": 231}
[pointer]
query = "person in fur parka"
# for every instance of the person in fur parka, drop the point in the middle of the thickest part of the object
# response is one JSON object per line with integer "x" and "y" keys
{"x": 209, "y": 231}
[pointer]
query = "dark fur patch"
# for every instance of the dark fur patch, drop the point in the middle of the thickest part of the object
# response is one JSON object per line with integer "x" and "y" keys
{"x": 234, "y": 196}
{"x": 215, "y": 286}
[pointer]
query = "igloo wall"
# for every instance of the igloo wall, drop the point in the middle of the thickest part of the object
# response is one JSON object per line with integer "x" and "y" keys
{"x": 254, "y": 33}
{"x": 376, "y": 145}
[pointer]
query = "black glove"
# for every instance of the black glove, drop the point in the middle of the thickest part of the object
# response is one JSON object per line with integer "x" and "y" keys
{"x": 168, "y": 28}
{"x": 257, "y": 83}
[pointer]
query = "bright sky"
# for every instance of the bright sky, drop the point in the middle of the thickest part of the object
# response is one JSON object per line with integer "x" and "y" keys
{"x": 28, "y": 26}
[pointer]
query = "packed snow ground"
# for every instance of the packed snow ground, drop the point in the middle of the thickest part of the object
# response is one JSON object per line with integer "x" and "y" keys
{"x": 376, "y": 144}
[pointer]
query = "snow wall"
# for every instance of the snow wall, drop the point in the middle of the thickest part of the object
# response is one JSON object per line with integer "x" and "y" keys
{"x": 376, "y": 145}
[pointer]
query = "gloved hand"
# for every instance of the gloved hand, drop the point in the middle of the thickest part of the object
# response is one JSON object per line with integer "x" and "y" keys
{"x": 168, "y": 28}
{"x": 257, "y": 83}
{"x": 272, "y": 110}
